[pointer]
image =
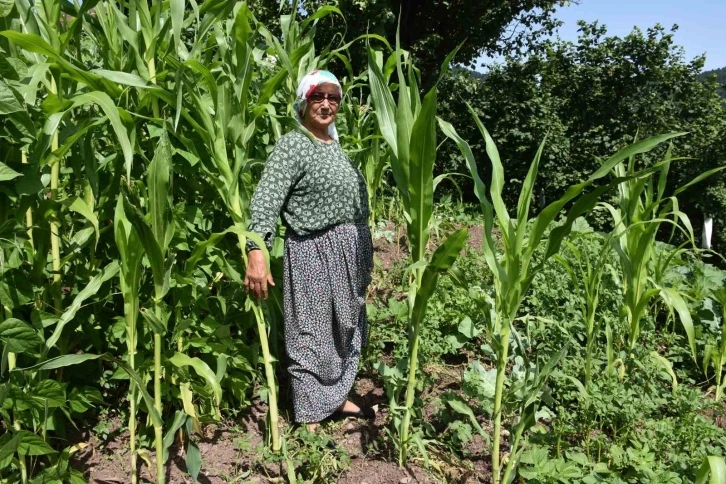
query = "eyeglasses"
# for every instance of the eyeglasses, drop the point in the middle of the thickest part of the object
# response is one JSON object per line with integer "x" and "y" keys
{"x": 318, "y": 97}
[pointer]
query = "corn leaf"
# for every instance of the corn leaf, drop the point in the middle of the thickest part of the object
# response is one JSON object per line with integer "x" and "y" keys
{"x": 181, "y": 360}
{"x": 91, "y": 289}
{"x": 112, "y": 113}
{"x": 420, "y": 183}
{"x": 714, "y": 467}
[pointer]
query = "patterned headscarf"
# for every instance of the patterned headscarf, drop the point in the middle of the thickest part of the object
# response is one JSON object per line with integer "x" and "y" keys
{"x": 307, "y": 86}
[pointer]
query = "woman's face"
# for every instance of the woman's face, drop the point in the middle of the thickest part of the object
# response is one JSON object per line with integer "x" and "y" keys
{"x": 320, "y": 113}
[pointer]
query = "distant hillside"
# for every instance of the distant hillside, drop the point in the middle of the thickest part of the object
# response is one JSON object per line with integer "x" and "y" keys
{"x": 720, "y": 77}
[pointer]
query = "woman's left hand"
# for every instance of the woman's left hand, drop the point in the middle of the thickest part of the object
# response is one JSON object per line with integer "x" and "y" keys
{"x": 256, "y": 276}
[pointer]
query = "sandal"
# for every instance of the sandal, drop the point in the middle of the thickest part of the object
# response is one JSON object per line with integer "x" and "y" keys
{"x": 366, "y": 413}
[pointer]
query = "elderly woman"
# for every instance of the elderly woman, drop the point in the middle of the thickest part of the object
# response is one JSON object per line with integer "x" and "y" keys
{"x": 323, "y": 200}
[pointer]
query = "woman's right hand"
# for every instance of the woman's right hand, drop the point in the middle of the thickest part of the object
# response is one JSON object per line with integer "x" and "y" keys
{"x": 257, "y": 277}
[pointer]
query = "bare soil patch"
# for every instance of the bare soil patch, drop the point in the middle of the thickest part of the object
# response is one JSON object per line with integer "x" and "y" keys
{"x": 229, "y": 451}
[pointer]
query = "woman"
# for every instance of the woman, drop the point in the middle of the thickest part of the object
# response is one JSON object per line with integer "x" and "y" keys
{"x": 323, "y": 200}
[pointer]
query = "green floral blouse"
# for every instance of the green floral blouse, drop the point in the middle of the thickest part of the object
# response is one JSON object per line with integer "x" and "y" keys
{"x": 312, "y": 184}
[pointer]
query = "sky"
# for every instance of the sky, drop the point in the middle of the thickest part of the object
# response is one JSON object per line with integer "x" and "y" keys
{"x": 701, "y": 23}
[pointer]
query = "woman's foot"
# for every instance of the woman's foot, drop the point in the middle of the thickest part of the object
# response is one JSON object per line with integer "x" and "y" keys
{"x": 312, "y": 427}
{"x": 350, "y": 409}
{"x": 348, "y": 406}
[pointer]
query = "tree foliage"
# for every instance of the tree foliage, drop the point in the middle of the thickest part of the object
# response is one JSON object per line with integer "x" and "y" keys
{"x": 592, "y": 97}
{"x": 720, "y": 75}
{"x": 430, "y": 29}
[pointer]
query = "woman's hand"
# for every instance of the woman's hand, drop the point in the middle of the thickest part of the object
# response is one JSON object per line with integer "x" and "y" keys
{"x": 256, "y": 277}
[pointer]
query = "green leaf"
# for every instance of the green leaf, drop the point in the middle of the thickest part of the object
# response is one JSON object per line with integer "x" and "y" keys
{"x": 713, "y": 466}
{"x": 179, "y": 419}
{"x": 112, "y": 113}
{"x": 467, "y": 328}
{"x": 464, "y": 409}
{"x": 61, "y": 362}
{"x": 668, "y": 367}
{"x": 156, "y": 325}
{"x": 323, "y": 11}
{"x": 421, "y": 173}
{"x": 640, "y": 147}
{"x": 385, "y": 111}
{"x": 181, "y": 360}
{"x": 201, "y": 248}
{"x": 7, "y": 173}
{"x": 525, "y": 196}
{"x": 674, "y": 300}
{"x": 91, "y": 289}
{"x": 400, "y": 162}
{"x": 194, "y": 456}
{"x": 698, "y": 179}
{"x": 19, "y": 336}
{"x": 49, "y": 392}
{"x": 497, "y": 183}
{"x": 146, "y": 236}
{"x": 8, "y": 448}
{"x": 68, "y": 360}
{"x": 176, "y": 8}
{"x": 442, "y": 259}
{"x": 6, "y": 6}
{"x": 31, "y": 444}
{"x": 124, "y": 78}
{"x": 35, "y": 44}
{"x": 159, "y": 204}
{"x": 450, "y": 131}
{"x": 81, "y": 207}
{"x": 480, "y": 382}
{"x": 9, "y": 100}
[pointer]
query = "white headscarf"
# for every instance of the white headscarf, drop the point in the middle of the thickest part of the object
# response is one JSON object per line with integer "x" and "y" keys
{"x": 307, "y": 86}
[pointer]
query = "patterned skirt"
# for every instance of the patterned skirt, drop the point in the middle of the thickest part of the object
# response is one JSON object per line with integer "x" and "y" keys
{"x": 326, "y": 277}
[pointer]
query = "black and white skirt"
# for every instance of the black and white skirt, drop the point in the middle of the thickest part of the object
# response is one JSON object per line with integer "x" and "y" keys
{"x": 326, "y": 277}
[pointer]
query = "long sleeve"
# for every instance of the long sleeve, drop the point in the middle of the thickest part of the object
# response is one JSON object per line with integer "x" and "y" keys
{"x": 281, "y": 171}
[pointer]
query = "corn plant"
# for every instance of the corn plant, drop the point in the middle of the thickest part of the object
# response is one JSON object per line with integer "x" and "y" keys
{"x": 641, "y": 208}
{"x": 717, "y": 356}
{"x": 712, "y": 471}
{"x": 364, "y": 146}
{"x": 515, "y": 267}
{"x": 141, "y": 61}
{"x": 409, "y": 129}
{"x": 586, "y": 279}
{"x": 130, "y": 254}
{"x": 155, "y": 237}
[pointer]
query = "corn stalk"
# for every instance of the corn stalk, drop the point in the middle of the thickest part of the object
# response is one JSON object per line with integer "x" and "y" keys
{"x": 131, "y": 254}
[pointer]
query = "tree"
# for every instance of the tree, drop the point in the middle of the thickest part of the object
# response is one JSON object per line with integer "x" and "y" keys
{"x": 430, "y": 29}
{"x": 720, "y": 75}
{"x": 593, "y": 97}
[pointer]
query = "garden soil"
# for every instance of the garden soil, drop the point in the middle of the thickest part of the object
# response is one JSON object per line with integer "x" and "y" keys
{"x": 229, "y": 453}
